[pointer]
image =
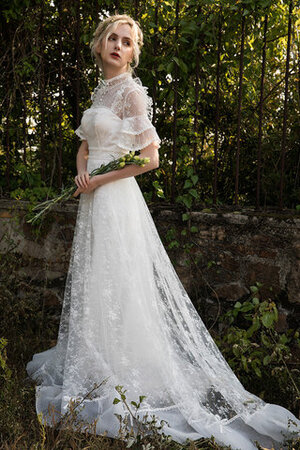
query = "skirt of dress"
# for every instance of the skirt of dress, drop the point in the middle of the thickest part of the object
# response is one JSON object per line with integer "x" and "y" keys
{"x": 127, "y": 320}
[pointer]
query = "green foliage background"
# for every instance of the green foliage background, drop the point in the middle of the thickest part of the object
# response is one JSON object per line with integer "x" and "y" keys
{"x": 31, "y": 55}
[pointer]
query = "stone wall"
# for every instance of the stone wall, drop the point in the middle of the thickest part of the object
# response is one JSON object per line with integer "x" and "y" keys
{"x": 228, "y": 252}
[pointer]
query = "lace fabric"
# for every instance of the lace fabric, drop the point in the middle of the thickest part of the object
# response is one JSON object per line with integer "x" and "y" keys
{"x": 128, "y": 100}
{"x": 126, "y": 317}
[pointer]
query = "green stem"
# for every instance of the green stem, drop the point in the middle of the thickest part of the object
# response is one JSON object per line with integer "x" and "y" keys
{"x": 67, "y": 193}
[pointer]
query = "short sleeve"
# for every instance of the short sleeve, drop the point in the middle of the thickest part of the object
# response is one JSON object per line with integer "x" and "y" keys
{"x": 137, "y": 131}
{"x": 80, "y": 133}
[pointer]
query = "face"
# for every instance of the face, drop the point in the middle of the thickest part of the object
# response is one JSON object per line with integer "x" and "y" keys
{"x": 119, "y": 49}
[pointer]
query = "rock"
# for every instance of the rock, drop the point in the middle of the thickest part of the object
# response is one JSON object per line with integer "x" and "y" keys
{"x": 51, "y": 298}
{"x": 230, "y": 251}
{"x": 5, "y": 215}
{"x": 265, "y": 273}
{"x": 230, "y": 291}
{"x": 293, "y": 283}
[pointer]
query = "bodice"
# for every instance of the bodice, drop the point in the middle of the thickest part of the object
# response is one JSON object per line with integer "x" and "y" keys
{"x": 102, "y": 128}
{"x": 119, "y": 119}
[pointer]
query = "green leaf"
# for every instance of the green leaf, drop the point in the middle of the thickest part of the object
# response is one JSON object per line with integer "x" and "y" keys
{"x": 194, "y": 193}
{"x": 267, "y": 359}
{"x": 266, "y": 342}
{"x": 244, "y": 363}
{"x": 134, "y": 404}
{"x": 194, "y": 229}
{"x": 254, "y": 327}
{"x": 170, "y": 67}
{"x": 188, "y": 184}
{"x": 185, "y": 217}
{"x": 247, "y": 307}
{"x": 257, "y": 371}
{"x": 284, "y": 339}
{"x": 173, "y": 244}
{"x": 176, "y": 60}
{"x": 187, "y": 201}
{"x": 236, "y": 351}
{"x": 183, "y": 66}
{"x": 194, "y": 179}
{"x": 268, "y": 319}
{"x": 116, "y": 400}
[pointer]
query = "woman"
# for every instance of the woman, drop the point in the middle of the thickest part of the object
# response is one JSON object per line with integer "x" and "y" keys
{"x": 126, "y": 317}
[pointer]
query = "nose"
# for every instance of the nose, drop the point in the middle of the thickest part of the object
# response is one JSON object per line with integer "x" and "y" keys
{"x": 117, "y": 45}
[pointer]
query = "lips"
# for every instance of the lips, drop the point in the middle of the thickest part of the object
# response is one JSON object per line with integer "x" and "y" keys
{"x": 115, "y": 54}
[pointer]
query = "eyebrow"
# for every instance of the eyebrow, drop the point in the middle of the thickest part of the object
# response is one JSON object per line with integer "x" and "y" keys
{"x": 124, "y": 37}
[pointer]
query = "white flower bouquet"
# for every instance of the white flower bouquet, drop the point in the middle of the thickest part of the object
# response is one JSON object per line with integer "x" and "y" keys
{"x": 67, "y": 193}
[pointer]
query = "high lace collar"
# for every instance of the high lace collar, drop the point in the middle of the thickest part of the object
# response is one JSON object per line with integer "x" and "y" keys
{"x": 105, "y": 85}
{"x": 115, "y": 80}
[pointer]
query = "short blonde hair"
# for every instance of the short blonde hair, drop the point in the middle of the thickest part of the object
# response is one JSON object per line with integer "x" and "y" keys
{"x": 107, "y": 27}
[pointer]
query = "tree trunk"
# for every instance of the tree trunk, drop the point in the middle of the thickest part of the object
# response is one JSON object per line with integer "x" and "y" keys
{"x": 175, "y": 88}
{"x": 77, "y": 47}
{"x": 237, "y": 166}
{"x": 60, "y": 137}
{"x": 285, "y": 110}
{"x": 215, "y": 184}
{"x": 42, "y": 94}
{"x": 261, "y": 102}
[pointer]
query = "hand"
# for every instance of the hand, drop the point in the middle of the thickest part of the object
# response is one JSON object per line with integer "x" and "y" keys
{"x": 82, "y": 179}
{"x": 91, "y": 186}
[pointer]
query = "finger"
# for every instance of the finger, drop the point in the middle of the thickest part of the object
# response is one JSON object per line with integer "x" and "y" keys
{"x": 76, "y": 193}
{"x": 86, "y": 181}
{"x": 87, "y": 178}
{"x": 82, "y": 180}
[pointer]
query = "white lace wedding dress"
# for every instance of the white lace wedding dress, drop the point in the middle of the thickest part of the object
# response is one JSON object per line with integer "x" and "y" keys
{"x": 126, "y": 317}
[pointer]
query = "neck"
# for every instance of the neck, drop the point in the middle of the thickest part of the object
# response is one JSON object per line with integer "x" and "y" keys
{"x": 108, "y": 74}
{"x": 113, "y": 81}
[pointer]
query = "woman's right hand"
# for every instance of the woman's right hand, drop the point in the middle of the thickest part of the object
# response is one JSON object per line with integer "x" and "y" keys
{"x": 82, "y": 179}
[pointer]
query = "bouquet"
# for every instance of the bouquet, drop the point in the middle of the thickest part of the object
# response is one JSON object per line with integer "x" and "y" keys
{"x": 68, "y": 192}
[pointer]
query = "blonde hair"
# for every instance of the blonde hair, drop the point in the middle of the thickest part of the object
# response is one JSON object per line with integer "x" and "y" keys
{"x": 107, "y": 27}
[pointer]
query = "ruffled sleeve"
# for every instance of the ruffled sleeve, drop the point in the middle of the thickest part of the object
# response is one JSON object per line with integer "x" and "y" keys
{"x": 137, "y": 131}
{"x": 80, "y": 131}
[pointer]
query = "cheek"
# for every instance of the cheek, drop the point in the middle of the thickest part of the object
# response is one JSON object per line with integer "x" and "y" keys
{"x": 130, "y": 52}
{"x": 102, "y": 46}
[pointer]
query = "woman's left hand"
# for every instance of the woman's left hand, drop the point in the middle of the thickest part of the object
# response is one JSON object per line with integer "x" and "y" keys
{"x": 93, "y": 184}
